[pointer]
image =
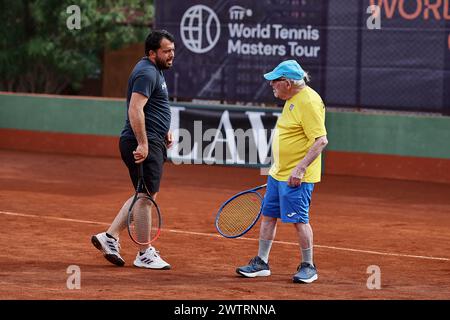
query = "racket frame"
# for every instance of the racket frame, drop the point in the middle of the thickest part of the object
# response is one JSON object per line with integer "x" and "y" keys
{"x": 254, "y": 190}
{"x": 140, "y": 184}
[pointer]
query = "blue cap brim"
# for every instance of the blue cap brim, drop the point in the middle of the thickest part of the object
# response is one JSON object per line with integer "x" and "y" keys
{"x": 271, "y": 76}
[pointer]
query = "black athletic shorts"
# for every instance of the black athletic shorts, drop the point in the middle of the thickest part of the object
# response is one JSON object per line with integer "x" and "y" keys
{"x": 153, "y": 164}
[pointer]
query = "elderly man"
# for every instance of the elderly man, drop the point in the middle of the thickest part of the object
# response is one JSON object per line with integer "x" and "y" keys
{"x": 300, "y": 136}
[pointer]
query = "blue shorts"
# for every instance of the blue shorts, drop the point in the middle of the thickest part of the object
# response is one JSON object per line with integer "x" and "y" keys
{"x": 291, "y": 204}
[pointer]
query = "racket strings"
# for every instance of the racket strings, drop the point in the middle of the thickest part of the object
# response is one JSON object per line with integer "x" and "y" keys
{"x": 239, "y": 214}
{"x": 143, "y": 222}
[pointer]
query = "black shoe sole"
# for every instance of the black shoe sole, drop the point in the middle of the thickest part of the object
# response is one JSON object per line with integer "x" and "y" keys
{"x": 165, "y": 268}
{"x": 307, "y": 281}
{"x": 243, "y": 274}
{"x": 110, "y": 257}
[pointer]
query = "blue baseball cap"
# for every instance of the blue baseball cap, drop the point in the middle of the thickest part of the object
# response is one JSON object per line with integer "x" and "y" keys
{"x": 289, "y": 69}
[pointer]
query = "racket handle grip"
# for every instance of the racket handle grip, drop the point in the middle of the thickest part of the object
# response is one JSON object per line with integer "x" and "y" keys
{"x": 141, "y": 170}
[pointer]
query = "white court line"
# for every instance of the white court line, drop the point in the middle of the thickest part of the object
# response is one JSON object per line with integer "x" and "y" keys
{"x": 241, "y": 238}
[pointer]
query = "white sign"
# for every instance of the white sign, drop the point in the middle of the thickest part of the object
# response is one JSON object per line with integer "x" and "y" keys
{"x": 200, "y": 32}
{"x": 192, "y": 28}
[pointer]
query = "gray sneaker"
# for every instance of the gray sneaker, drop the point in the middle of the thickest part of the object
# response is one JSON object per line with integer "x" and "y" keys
{"x": 306, "y": 273}
{"x": 255, "y": 268}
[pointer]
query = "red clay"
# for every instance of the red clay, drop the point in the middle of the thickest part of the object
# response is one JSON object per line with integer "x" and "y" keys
{"x": 387, "y": 166}
{"x": 402, "y": 227}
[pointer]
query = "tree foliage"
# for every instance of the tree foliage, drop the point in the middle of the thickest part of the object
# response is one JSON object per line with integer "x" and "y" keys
{"x": 39, "y": 53}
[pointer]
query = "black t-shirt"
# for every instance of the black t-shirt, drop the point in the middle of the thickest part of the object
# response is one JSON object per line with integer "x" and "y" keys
{"x": 149, "y": 81}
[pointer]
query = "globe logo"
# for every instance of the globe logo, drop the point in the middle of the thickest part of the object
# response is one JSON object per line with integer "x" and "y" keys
{"x": 200, "y": 29}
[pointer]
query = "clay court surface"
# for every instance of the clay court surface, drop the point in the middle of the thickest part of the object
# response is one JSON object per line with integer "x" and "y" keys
{"x": 51, "y": 205}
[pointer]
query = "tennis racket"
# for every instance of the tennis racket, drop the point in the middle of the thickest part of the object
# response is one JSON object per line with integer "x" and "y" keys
{"x": 144, "y": 218}
{"x": 239, "y": 214}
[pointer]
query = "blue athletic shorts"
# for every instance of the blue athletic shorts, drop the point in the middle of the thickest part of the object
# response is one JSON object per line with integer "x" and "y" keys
{"x": 291, "y": 204}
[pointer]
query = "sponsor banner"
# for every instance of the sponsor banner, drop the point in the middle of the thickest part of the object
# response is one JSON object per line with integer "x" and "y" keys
{"x": 222, "y": 136}
{"x": 225, "y": 47}
{"x": 389, "y": 54}
{"x": 405, "y": 63}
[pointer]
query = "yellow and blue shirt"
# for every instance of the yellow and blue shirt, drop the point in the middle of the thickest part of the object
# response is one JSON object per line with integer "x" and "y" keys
{"x": 301, "y": 122}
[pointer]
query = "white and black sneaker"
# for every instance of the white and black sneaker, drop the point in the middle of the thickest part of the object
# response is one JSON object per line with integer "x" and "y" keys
{"x": 110, "y": 248}
{"x": 151, "y": 259}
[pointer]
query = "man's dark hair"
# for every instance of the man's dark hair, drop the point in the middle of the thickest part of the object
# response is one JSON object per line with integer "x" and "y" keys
{"x": 153, "y": 41}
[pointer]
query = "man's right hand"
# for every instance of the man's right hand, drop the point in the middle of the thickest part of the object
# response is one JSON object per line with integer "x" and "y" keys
{"x": 141, "y": 153}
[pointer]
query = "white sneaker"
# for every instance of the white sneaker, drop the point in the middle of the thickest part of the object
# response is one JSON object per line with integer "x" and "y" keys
{"x": 110, "y": 248}
{"x": 150, "y": 260}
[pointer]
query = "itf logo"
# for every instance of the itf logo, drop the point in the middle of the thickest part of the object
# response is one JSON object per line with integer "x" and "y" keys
{"x": 238, "y": 13}
{"x": 200, "y": 29}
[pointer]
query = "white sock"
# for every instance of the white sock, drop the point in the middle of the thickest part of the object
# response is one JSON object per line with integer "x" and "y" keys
{"x": 264, "y": 249}
{"x": 307, "y": 255}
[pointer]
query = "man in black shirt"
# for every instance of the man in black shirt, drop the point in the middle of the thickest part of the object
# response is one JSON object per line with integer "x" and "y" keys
{"x": 145, "y": 138}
